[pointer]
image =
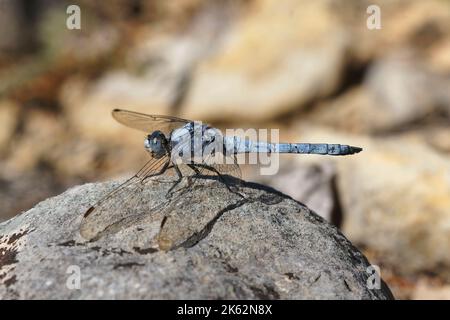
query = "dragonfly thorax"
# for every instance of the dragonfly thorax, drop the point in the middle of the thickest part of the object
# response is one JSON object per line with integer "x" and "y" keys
{"x": 156, "y": 144}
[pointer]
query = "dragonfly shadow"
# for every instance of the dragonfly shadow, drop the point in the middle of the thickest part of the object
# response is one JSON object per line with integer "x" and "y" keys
{"x": 207, "y": 204}
{"x": 195, "y": 210}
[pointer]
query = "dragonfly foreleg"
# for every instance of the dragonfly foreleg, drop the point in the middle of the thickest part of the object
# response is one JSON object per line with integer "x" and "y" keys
{"x": 161, "y": 171}
{"x": 194, "y": 168}
{"x": 180, "y": 177}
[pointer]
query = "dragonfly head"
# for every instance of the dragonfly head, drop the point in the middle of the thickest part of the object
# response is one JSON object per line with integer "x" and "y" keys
{"x": 155, "y": 144}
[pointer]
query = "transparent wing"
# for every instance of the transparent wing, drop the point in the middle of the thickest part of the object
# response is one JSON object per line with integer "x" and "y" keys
{"x": 148, "y": 123}
{"x": 124, "y": 204}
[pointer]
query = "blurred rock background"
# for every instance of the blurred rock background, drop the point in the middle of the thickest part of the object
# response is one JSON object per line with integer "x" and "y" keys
{"x": 309, "y": 68}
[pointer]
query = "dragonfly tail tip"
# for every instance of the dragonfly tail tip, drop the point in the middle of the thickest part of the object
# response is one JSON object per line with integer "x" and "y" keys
{"x": 356, "y": 149}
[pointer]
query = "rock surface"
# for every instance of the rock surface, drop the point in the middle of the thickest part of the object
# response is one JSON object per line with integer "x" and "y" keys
{"x": 216, "y": 245}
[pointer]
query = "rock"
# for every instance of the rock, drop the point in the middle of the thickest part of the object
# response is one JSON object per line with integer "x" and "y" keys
{"x": 211, "y": 244}
{"x": 276, "y": 58}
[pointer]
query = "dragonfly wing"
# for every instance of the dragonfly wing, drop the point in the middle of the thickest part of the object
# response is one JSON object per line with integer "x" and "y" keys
{"x": 120, "y": 205}
{"x": 148, "y": 123}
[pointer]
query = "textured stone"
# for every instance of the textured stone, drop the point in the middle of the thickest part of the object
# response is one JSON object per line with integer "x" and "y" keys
{"x": 217, "y": 245}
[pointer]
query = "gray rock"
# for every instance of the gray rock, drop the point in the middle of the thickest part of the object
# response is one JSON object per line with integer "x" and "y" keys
{"x": 211, "y": 244}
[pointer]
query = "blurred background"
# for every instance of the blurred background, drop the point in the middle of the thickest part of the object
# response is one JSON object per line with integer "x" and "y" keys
{"x": 312, "y": 69}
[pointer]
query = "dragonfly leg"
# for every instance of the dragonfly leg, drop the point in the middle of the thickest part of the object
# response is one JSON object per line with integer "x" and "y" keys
{"x": 180, "y": 177}
{"x": 170, "y": 166}
{"x": 161, "y": 171}
{"x": 194, "y": 168}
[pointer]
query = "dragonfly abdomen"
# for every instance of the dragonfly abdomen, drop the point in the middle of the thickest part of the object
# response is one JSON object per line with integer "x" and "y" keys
{"x": 317, "y": 148}
{"x": 237, "y": 145}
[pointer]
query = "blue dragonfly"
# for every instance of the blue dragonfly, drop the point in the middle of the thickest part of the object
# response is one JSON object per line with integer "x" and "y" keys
{"x": 186, "y": 148}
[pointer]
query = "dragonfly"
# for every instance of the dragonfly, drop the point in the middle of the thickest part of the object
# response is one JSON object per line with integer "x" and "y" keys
{"x": 186, "y": 148}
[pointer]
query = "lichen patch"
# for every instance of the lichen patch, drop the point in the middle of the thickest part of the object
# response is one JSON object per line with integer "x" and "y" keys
{"x": 10, "y": 245}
